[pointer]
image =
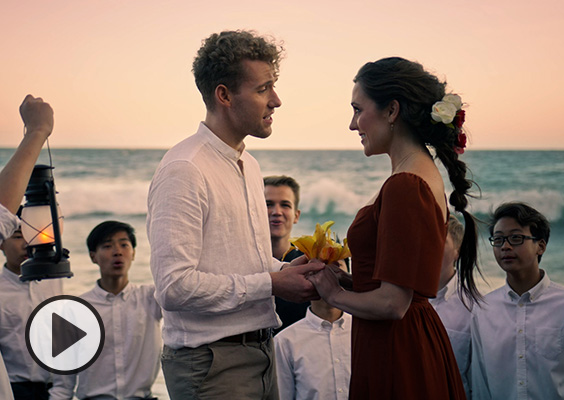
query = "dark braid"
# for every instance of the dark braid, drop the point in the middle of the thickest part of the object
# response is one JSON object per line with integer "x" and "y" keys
{"x": 416, "y": 90}
{"x": 459, "y": 200}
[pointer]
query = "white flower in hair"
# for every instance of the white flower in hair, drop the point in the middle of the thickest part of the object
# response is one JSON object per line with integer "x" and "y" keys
{"x": 454, "y": 99}
{"x": 444, "y": 112}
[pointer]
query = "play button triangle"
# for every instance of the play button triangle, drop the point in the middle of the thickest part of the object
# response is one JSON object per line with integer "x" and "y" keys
{"x": 64, "y": 334}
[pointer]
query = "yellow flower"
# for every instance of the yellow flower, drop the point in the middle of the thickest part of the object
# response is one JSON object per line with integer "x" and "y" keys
{"x": 321, "y": 245}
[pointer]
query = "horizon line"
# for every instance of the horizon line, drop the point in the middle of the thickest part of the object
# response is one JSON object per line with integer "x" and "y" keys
{"x": 284, "y": 149}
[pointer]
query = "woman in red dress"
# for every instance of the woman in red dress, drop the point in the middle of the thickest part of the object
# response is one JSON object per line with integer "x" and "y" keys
{"x": 400, "y": 349}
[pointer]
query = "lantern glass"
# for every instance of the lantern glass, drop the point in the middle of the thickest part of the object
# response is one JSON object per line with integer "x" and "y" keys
{"x": 37, "y": 226}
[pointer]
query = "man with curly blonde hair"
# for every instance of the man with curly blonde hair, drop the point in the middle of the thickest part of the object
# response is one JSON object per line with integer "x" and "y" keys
{"x": 207, "y": 223}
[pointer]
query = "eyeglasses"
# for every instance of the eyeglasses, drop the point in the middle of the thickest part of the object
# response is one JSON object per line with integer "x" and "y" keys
{"x": 514, "y": 240}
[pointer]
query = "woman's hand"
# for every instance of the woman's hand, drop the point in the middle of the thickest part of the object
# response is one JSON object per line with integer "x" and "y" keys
{"x": 326, "y": 283}
{"x": 345, "y": 279}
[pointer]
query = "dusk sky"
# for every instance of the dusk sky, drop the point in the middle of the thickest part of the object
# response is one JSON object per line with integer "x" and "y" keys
{"x": 118, "y": 73}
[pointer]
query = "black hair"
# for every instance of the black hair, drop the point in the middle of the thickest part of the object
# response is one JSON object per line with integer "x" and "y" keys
{"x": 526, "y": 216}
{"x": 107, "y": 229}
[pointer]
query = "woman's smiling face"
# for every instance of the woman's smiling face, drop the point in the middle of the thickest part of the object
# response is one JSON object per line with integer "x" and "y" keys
{"x": 371, "y": 123}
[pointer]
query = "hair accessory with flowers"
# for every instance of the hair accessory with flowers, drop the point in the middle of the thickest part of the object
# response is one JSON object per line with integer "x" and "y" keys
{"x": 449, "y": 111}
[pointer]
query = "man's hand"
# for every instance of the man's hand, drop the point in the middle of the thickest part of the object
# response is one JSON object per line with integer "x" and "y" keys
{"x": 291, "y": 284}
{"x": 37, "y": 116}
{"x": 301, "y": 260}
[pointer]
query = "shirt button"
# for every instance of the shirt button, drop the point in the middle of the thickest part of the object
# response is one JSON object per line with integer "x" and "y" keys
{"x": 520, "y": 330}
{"x": 340, "y": 390}
{"x": 337, "y": 360}
{"x": 520, "y": 304}
{"x": 521, "y": 383}
{"x": 520, "y": 355}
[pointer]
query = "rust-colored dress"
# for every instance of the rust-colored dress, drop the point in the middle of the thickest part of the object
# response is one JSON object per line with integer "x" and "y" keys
{"x": 400, "y": 239}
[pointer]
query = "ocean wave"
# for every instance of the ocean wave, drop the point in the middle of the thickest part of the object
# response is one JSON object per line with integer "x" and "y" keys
{"x": 79, "y": 198}
{"x": 548, "y": 202}
{"x": 324, "y": 198}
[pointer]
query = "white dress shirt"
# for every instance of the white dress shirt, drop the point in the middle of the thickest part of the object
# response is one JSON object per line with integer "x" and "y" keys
{"x": 313, "y": 359}
{"x": 456, "y": 319}
{"x": 518, "y": 343}
{"x": 17, "y": 301}
{"x": 210, "y": 242}
{"x": 130, "y": 359}
{"x": 8, "y": 225}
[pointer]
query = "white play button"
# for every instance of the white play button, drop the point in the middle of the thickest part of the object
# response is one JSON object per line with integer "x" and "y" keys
{"x": 64, "y": 334}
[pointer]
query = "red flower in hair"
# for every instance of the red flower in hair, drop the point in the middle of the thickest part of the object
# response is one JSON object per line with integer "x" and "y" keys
{"x": 459, "y": 118}
{"x": 460, "y": 143}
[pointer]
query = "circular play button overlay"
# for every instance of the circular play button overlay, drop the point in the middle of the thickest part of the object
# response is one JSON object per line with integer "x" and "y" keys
{"x": 64, "y": 335}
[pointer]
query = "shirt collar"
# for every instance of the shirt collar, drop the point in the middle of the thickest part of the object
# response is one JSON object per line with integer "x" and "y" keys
{"x": 12, "y": 277}
{"x": 321, "y": 324}
{"x": 102, "y": 294}
{"x": 219, "y": 145}
{"x": 535, "y": 292}
{"x": 449, "y": 289}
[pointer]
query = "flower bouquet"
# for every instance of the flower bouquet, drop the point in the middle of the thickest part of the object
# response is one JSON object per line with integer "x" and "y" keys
{"x": 320, "y": 245}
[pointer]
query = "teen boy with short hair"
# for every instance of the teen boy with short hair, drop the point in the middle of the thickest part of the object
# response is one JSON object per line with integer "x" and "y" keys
{"x": 313, "y": 355}
{"x": 129, "y": 362}
{"x": 282, "y": 194}
{"x": 517, "y": 335}
{"x": 17, "y": 301}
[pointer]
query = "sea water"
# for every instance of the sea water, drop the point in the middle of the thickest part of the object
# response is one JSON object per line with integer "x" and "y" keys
{"x": 95, "y": 185}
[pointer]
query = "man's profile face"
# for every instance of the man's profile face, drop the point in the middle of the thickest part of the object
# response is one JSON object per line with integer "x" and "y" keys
{"x": 15, "y": 250}
{"x": 254, "y": 103}
{"x": 114, "y": 255}
{"x": 282, "y": 213}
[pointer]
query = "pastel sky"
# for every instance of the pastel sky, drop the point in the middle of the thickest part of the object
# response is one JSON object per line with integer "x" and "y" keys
{"x": 118, "y": 72}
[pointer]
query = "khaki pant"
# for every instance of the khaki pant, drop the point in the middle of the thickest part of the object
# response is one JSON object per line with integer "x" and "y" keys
{"x": 221, "y": 370}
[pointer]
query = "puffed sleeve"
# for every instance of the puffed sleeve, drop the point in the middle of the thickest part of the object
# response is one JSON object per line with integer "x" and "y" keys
{"x": 411, "y": 235}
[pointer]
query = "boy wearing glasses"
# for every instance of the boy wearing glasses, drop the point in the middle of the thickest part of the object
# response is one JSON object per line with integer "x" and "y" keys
{"x": 517, "y": 335}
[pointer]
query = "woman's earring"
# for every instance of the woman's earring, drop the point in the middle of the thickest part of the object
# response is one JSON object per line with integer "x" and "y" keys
{"x": 391, "y": 127}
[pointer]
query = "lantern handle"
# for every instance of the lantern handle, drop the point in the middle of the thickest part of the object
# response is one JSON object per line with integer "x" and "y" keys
{"x": 55, "y": 218}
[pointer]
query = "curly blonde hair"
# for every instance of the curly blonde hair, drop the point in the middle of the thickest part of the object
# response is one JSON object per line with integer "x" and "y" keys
{"x": 219, "y": 60}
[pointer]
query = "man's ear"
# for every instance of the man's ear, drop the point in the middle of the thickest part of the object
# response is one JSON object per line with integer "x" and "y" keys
{"x": 133, "y": 255}
{"x": 223, "y": 95}
{"x": 298, "y": 213}
{"x": 393, "y": 111}
{"x": 93, "y": 257}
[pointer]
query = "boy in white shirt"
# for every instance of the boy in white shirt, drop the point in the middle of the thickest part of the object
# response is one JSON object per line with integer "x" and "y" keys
{"x": 14, "y": 177}
{"x": 313, "y": 355}
{"x": 454, "y": 314}
{"x": 129, "y": 362}
{"x": 517, "y": 335}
